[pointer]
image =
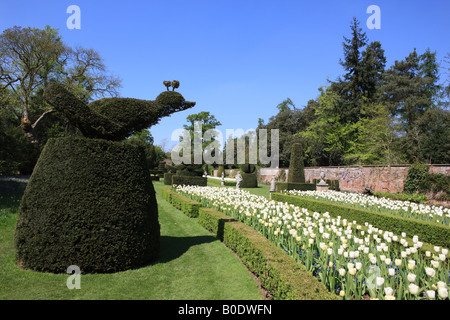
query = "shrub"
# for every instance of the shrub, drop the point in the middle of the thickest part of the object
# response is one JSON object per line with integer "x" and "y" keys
{"x": 417, "y": 174}
{"x": 220, "y": 170}
{"x": 89, "y": 203}
{"x": 249, "y": 180}
{"x": 416, "y": 197}
{"x": 168, "y": 178}
{"x": 189, "y": 180}
{"x": 295, "y": 186}
{"x": 182, "y": 203}
{"x": 296, "y": 172}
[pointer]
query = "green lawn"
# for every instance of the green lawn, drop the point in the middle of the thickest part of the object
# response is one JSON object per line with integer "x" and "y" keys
{"x": 192, "y": 265}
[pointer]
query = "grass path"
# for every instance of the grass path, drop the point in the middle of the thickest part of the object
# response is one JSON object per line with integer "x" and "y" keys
{"x": 193, "y": 265}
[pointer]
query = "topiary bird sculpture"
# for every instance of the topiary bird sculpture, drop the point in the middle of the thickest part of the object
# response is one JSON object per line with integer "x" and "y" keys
{"x": 114, "y": 118}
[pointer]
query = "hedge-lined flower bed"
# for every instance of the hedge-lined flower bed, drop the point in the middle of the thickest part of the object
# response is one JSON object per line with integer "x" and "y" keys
{"x": 407, "y": 209}
{"x": 353, "y": 260}
{"x": 280, "y": 275}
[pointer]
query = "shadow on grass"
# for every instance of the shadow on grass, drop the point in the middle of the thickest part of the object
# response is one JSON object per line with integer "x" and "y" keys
{"x": 172, "y": 248}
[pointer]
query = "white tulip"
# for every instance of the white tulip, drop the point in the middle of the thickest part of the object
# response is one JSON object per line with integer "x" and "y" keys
{"x": 411, "y": 277}
{"x": 342, "y": 272}
{"x": 431, "y": 294}
{"x": 435, "y": 264}
{"x": 430, "y": 272}
{"x": 379, "y": 281}
{"x": 443, "y": 293}
{"x": 413, "y": 289}
{"x": 388, "y": 291}
{"x": 391, "y": 272}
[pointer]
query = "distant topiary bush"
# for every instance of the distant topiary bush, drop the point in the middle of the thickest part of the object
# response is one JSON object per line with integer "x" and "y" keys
{"x": 88, "y": 203}
{"x": 296, "y": 166}
{"x": 296, "y": 174}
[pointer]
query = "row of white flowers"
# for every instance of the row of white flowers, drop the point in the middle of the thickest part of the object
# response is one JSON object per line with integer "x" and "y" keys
{"x": 349, "y": 258}
{"x": 438, "y": 214}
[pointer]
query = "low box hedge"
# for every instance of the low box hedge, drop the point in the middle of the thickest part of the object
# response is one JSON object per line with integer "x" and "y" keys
{"x": 295, "y": 186}
{"x": 189, "y": 180}
{"x": 188, "y": 206}
{"x": 281, "y": 275}
{"x": 430, "y": 232}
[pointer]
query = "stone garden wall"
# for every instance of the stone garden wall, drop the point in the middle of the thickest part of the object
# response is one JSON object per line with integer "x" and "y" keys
{"x": 357, "y": 178}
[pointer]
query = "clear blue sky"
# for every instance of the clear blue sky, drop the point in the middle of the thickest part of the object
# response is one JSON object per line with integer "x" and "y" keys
{"x": 237, "y": 59}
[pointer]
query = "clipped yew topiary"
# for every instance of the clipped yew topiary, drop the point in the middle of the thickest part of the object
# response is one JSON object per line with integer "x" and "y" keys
{"x": 90, "y": 204}
{"x": 90, "y": 201}
{"x": 296, "y": 174}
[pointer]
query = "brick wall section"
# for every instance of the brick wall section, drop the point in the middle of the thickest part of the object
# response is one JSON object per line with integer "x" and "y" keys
{"x": 357, "y": 178}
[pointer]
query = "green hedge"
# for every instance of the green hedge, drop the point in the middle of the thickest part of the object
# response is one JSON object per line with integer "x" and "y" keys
{"x": 189, "y": 180}
{"x": 295, "y": 186}
{"x": 249, "y": 180}
{"x": 168, "y": 178}
{"x": 430, "y": 232}
{"x": 416, "y": 197}
{"x": 187, "y": 206}
{"x": 278, "y": 273}
{"x": 88, "y": 203}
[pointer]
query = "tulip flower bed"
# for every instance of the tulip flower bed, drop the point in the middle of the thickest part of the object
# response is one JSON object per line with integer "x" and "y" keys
{"x": 408, "y": 209}
{"x": 353, "y": 260}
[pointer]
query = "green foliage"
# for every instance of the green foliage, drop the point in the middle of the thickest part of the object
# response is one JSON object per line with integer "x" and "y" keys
{"x": 278, "y": 273}
{"x": 113, "y": 118}
{"x": 168, "y": 178}
{"x": 280, "y": 186}
{"x": 416, "y": 197}
{"x": 249, "y": 180}
{"x": 430, "y": 232}
{"x": 296, "y": 172}
{"x": 188, "y": 206}
{"x": 417, "y": 175}
{"x": 103, "y": 216}
{"x": 220, "y": 170}
{"x": 189, "y": 180}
